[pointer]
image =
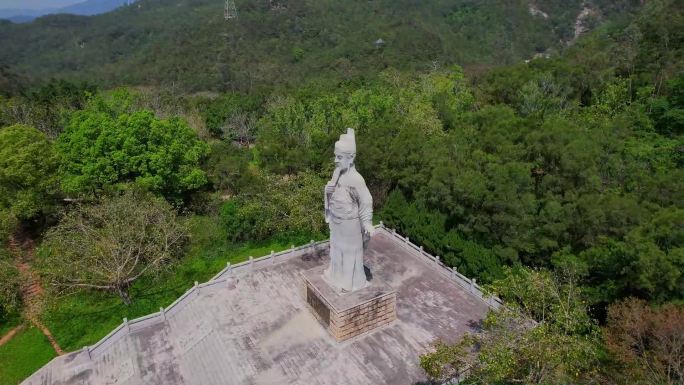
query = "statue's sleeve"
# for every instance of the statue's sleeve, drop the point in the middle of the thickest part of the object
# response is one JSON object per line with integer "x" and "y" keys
{"x": 365, "y": 201}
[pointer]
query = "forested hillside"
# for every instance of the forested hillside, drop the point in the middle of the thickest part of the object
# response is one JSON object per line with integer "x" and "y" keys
{"x": 556, "y": 182}
{"x": 188, "y": 43}
{"x": 87, "y": 7}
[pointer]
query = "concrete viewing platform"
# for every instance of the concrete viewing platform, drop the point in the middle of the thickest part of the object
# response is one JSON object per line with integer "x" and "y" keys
{"x": 252, "y": 325}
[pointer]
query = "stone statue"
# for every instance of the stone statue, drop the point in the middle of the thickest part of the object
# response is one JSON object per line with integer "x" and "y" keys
{"x": 349, "y": 213}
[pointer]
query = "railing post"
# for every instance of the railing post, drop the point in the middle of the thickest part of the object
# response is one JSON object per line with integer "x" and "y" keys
{"x": 196, "y": 287}
{"x": 382, "y": 225}
{"x": 454, "y": 272}
{"x": 272, "y": 257}
{"x": 437, "y": 260}
{"x": 407, "y": 240}
{"x": 422, "y": 252}
{"x": 128, "y": 327}
{"x": 162, "y": 312}
{"x": 292, "y": 249}
{"x": 251, "y": 264}
{"x": 86, "y": 349}
{"x": 229, "y": 274}
{"x": 472, "y": 285}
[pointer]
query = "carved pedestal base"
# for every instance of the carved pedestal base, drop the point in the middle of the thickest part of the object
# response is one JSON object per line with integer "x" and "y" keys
{"x": 346, "y": 315}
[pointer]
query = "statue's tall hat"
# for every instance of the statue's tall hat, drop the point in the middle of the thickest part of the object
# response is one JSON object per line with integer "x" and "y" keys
{"x": 347, "y": 142}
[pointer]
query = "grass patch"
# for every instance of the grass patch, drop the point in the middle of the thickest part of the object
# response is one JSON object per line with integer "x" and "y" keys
{"x": 84, "y": 318}
{"x": 24, "y": 354}
{"x": 9, "y": 322}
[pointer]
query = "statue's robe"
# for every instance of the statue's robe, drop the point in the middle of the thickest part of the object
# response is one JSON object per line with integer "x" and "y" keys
{"x": 350, "y": 206}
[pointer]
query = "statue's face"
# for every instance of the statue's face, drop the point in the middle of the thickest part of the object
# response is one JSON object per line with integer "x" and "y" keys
{"x": 343, "y": 160}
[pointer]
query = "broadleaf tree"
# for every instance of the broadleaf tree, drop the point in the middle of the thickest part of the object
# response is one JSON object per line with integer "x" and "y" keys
{"x": 105, "y": 145}
{"x": 28, "y": 176}
{"x": 109, "y": 245}
{"x": 543, "y": 335}
{"x": 646, "y": 341}
{"x": 10, "y": 285}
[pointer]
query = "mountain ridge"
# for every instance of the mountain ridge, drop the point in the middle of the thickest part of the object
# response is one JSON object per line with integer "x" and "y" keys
{"x": 189, "y": 44}
{"x": 84, "y": 8}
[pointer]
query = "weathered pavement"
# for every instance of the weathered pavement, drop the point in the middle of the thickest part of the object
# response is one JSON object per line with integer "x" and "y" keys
{"x": 255, "y": 328}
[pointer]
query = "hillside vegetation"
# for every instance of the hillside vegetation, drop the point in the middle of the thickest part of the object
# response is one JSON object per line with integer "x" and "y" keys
{"x": 188, "y": 44}
{"x": 557, "y": 182}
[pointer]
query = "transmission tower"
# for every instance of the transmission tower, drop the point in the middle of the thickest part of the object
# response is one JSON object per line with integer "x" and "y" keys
{"x": 226, "y": 63}
{"x": 231, "y": 10}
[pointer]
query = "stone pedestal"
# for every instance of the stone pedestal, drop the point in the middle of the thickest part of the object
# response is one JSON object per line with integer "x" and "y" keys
{"x": 346, "y": 315}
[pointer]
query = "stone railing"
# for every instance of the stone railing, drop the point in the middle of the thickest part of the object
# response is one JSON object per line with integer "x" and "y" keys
{"x": 470, "y": 285}
{"x": 223, "y": 277}
{"x": 466, "y": 283}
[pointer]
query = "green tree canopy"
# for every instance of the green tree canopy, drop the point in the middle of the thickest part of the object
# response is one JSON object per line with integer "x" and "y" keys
{"x": 543, "y": 335}
{"x": 648, "y": 263}
{"x": 228, "y": 168}
{"x": 106, "y": 145}
{"x": 10, "y": 294}
{"x": 28, "y": 175}
{"x": 271, "y": 209}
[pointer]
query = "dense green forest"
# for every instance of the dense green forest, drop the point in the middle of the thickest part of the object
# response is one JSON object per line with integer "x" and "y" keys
{"x": 555, "y": 181}
{"x": 188, "y": 44}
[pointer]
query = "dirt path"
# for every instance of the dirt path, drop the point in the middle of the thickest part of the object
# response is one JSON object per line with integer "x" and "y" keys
{"x": 11, "y": 334}
{"x": 31, "y": 290}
